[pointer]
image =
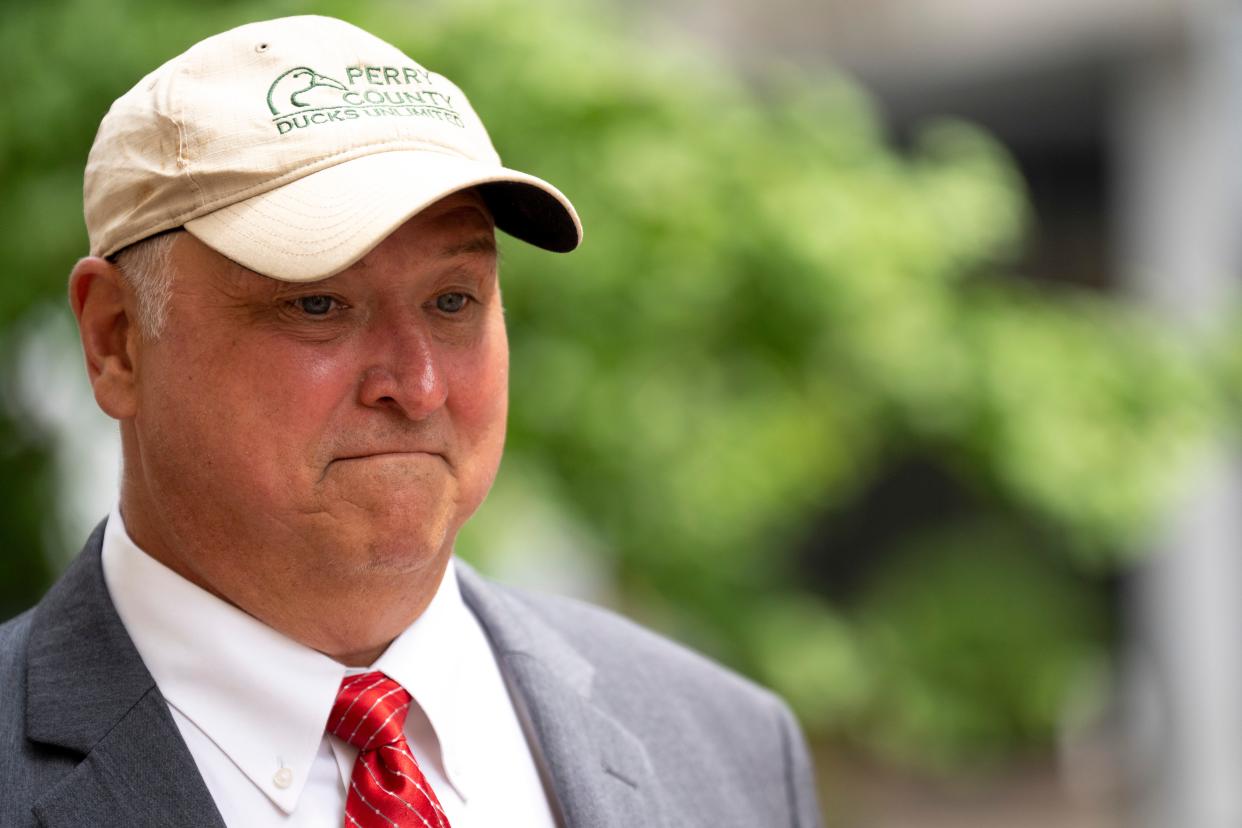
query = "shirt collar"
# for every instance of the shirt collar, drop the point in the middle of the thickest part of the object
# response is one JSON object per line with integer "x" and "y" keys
{"x": 261, "y": 697}
{"x": 426, "y": 659}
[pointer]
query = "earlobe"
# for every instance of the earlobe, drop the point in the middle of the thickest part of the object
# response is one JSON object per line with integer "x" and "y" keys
{"x": 99, "y": 298}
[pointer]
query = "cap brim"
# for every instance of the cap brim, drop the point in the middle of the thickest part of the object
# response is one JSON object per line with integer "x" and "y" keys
{"x": 322, "y": 223}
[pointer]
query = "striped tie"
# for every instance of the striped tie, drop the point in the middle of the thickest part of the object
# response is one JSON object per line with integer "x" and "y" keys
{"x": 386, "y": 788}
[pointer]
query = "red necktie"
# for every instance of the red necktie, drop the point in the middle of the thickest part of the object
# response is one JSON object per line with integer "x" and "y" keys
{"x": 386, "y": 788}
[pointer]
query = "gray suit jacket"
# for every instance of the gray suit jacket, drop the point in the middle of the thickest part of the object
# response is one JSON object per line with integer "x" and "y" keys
{"x": 629, "y": 728}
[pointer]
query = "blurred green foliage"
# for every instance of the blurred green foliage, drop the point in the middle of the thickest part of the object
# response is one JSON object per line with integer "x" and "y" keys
{"x": 771, "y": 307}
{"x": 965, "y": 615}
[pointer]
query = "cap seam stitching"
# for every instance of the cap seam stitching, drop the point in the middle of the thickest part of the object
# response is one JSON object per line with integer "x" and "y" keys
{"x": 183, "y": 159}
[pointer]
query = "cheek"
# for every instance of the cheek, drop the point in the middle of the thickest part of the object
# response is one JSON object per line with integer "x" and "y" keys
{"x": 484, "y": 388}
{"x": 258, "y": 411}
{"x": 478, "y": 402}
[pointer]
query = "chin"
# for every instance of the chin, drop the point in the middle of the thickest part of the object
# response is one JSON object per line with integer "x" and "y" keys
{"x": 407, "y": 549}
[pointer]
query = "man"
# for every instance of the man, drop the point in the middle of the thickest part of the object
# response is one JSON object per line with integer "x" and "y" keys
{"x": 292, "y": 309}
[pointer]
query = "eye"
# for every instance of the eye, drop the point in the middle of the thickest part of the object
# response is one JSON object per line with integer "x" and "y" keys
{"x": 451, "y": 302}
{"x": 318, "y": 305}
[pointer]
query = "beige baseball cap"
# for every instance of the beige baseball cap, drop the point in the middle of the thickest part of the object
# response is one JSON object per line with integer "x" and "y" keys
{"x": 294, "y": 146}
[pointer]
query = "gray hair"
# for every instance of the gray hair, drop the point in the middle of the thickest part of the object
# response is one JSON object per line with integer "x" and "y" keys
{"x": 147, "y": 266}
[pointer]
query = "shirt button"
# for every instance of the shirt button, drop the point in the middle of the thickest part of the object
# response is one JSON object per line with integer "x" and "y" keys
{"x": 283, "y": 778}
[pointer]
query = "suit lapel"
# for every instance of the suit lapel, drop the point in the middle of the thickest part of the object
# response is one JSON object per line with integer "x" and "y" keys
{"x": 599, "y": 771}
{"x": 88, "y": 692}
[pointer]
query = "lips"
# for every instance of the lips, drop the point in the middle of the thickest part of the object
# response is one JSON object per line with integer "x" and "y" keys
{"x": 380, "y": 454}
{"x": 365, "y": 455}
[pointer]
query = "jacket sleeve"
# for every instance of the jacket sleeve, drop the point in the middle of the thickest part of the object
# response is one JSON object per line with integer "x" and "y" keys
{"x": 799, "y": 773}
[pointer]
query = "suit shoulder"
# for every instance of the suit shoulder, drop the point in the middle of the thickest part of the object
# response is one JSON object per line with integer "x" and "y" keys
{"x": 14, "y": 646}
{"x": 703, "y": 727}
{"x": 14, "y": 637}
{"x": 15, "y": 750}
{"x": 638, "y": 660}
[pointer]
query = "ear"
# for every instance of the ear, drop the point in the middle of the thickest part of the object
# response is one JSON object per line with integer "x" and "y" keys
{"x": 101, "y": 301}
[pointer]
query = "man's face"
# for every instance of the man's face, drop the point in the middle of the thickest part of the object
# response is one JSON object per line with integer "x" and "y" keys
{"x": 292, "y": 434}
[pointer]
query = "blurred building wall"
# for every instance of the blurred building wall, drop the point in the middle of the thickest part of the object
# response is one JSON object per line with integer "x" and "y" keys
{"x": 1177, "y": 127}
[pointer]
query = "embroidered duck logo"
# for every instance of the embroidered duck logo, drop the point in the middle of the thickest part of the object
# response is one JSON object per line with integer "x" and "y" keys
{"x": 286, "y": 93}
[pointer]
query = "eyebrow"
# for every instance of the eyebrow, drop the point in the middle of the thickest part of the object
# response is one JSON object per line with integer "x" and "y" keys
{"x": 478, "y": 244}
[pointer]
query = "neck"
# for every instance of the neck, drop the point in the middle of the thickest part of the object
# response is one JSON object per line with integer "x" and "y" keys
{"x": 350, "y": 616}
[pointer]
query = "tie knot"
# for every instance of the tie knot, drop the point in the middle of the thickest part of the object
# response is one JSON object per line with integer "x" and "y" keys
{"x": 369, "y": 711}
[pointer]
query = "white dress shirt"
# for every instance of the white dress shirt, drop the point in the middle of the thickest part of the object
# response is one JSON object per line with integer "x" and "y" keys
{"x": 252, "y": 704}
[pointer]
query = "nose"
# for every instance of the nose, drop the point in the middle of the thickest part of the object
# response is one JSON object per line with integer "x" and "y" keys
{"x": 403, "y": 371}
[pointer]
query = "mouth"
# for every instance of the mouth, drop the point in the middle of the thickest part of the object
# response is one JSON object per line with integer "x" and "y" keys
{"x": 369, "y": 455}
{"x": 379, "y": 456}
